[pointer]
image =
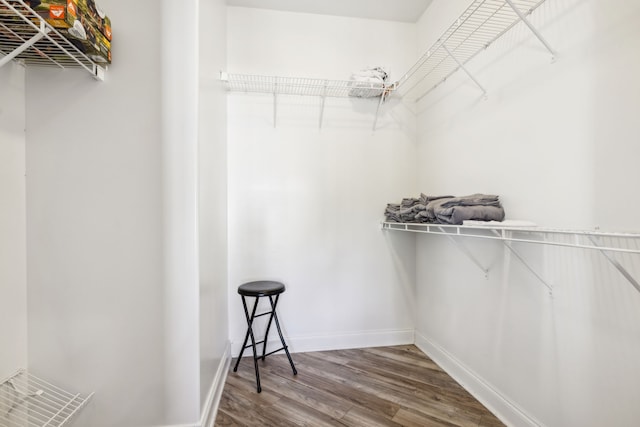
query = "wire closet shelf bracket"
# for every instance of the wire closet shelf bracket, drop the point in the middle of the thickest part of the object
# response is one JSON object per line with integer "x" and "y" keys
{"x": 29, "y": 401}
{"x": 606, "y": 243}
{"x": 28, "y": 39}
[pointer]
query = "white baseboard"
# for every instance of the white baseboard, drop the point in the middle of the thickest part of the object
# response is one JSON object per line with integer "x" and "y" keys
{"x": 507, "y": 411}
{"x": 210, "y": 408}
{"x": 359, "y": 339}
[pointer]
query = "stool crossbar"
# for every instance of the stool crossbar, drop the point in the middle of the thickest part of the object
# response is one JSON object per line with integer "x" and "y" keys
{"x": 260, "y": 289}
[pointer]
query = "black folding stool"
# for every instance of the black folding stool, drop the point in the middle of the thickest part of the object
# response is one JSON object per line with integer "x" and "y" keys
{"x": 257, "y": 289}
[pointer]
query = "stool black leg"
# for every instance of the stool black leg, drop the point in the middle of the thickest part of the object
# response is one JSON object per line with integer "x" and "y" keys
{"x": 246, "y": 337}
{"x": 253, "y": 340}
{"x": 284, "y": 345}
{"x": 266, "y": 335}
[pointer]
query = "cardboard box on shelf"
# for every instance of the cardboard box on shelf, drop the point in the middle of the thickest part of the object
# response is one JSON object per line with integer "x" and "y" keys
{"x": 106, "y": 27}
{"x": 64, "y": 13}
{"x": 99, "y": 19}
{"x": 58, "y": 13}
{"x": 92, "y": 43}
{"x": 81, "y": 23}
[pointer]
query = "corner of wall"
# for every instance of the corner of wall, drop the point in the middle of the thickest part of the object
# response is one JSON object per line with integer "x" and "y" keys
{"x": 13, "y": 274}
{"x": 506, "y": 410}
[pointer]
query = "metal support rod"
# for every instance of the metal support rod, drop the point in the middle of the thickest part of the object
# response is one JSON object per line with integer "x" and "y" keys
{"x": 524, "y": 262}
{"x": 463, "y": 68}
{"x": 323, "y": 98}
{"x": 466, "y": 251}
{"x": 275, "y": 103}
{"x": 375, "y": 120}
{"x": 617, "y": 265}
{"x": 26, "y": 45}
{"x": 532, "y": 28}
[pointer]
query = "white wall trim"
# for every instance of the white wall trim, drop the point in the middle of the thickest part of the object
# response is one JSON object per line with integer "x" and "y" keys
{"x": 210, "y": 410}
{"x": 507, "y": 411}
{"x": 357, "y": 339}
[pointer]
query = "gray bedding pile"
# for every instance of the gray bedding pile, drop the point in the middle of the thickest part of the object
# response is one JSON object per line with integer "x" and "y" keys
{"x": 446, "y": 209}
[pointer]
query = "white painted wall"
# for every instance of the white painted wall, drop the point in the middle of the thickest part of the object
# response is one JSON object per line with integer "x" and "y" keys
{"x": 13, "y": 252}
{"x": 118, "y": 303}
{"x": 113, "y": 239}
{"x": 95, "y": 227}
{"x": 305, "y": 203}
{"x": 179, "y": 123}
{"x": 212, "y": 214}
{"x": 557, "y": 142}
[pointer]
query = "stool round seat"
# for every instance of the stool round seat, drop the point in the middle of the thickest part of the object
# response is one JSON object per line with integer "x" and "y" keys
{"x": 261, "y": 288}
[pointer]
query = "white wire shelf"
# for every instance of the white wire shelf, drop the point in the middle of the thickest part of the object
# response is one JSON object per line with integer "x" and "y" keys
{"x": 276, "y": 86}
{"x": 28, "y": 401}
{"x": 301, "y": 86}
{"x": 584, "y": 239}
{"x": 25, "y": 37}
{"x": 482, "y": 23}
{"x": 606, "y": 243}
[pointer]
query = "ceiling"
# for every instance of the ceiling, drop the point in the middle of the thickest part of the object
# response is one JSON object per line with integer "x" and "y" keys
{"x": 390, "y": 10}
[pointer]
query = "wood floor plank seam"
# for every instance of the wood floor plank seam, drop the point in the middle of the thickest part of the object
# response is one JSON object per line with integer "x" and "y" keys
{"x": 381, "y": 386}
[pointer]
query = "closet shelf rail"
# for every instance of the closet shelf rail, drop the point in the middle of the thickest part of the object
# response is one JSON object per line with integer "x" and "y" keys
{"x": 322, "y": 88}
{"x": 299, "y": 86}
{"x": 28, "y": 401}
{"x": 605, "y": 242}
{"x": 533, "y": 234}
{"x": 28, "y": 39}
{"x": 482, "y": 23}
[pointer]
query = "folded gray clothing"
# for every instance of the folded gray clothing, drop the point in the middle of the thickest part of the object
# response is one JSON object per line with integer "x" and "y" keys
{"x": 423, "y": 217}
{"x": 424, "y": 199}
{"x": 400, "y": 213}
{"x": 472, "y": 200}
{"x": 446, "y": 209}
{"x": 392, "y": 212}
{"x": 407, "y": 203}
{"x": 433, "y": 205}
{"x": 407, "y": 215}
{"x": 457, "y": 214}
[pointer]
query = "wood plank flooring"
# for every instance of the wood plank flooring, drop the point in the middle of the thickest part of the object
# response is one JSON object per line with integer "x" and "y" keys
{"x": 383, "y": 386}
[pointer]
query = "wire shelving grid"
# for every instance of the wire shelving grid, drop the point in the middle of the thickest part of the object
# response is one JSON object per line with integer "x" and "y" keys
{"x": 27, "y": 38}
{"x": 29, "y": 401}
{"x": 482, "y": 23}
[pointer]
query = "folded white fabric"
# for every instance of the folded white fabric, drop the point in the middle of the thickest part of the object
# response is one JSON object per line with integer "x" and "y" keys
{"x": 376, "y": 74}
{"x": 368, "y": 82}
